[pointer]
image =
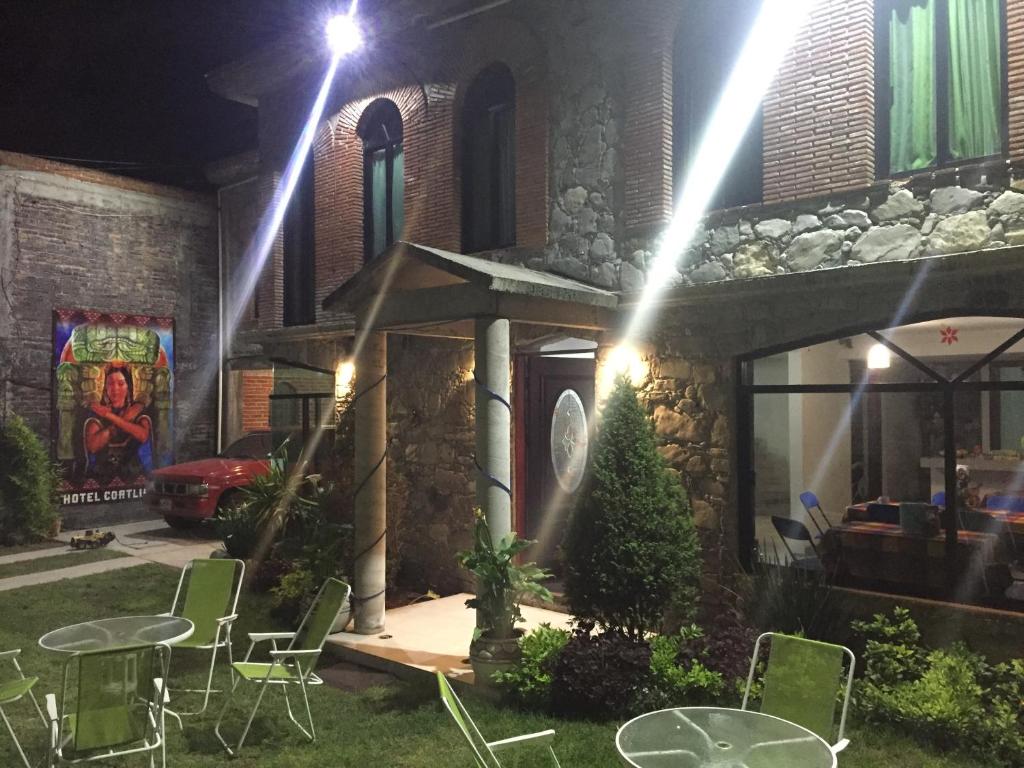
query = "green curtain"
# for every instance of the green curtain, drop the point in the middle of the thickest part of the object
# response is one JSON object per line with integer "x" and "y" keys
{"x": 379, "y": 201}
{"x": 975, "y": 76}
{"x": 912, "y": 129}
{"x": 398, "y": 192}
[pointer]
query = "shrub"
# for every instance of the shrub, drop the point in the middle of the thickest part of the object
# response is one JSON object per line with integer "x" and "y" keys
{"x": 631, "y": 548}
{"x": 679, "y": 679}
{"x": 238, "y": 525}
{"x": 293, "y": 595}
{"x": 602, "y": 675}
{"x": 950, "y": 697}
{"x": 528, "y": 684}
{"x": 795, "y": 600}
{"x": 723, "y": 645}
{"x": 28, "y": 484}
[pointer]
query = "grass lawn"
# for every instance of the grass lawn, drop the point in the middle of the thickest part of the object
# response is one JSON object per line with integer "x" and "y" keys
{"x": 55, "y": 562}
{"x": 35, "y": 545}
{"x": 397, "y": 725}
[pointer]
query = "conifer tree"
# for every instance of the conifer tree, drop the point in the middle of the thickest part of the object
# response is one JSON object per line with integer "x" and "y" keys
{"x": 631, "y": 548}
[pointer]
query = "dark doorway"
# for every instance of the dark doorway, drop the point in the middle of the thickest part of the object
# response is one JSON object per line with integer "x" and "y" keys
{"x": 557, "y": 399}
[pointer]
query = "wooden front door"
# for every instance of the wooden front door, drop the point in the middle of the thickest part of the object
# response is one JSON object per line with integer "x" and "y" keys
{"x": 557, "y": 396}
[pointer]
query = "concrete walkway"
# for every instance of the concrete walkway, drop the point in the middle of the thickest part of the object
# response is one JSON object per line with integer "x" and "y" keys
{"x": 430, "y": 636}
{"x": 147, "y": 541}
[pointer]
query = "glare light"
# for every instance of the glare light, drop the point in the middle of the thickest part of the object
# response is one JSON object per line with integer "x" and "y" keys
{"x": 622, "y": 360}
{"x": 879, "y": 357}
{"x": 343, "y": 34}
{"x": 343, "y": 376}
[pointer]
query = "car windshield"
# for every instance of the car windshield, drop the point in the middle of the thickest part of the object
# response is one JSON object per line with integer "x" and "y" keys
{"x": 254, "y": 446}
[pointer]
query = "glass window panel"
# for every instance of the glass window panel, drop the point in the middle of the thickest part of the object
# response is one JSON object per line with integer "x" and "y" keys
{"x": 398, "y": 192}
{"x": 378, "y": 201}
{"x": 912, "y": 124}
{"x": 975, "y": 78}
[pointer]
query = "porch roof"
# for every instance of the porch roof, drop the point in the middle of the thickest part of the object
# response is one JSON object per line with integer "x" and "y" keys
{"x": 421, "y": 289}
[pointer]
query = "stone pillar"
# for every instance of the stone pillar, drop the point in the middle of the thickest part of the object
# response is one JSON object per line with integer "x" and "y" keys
{"x": 493, "y": 424}
{"x": 371, "y": 499}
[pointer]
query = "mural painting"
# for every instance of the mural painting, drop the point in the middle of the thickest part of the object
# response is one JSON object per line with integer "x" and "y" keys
{"x": 113, "y": 407}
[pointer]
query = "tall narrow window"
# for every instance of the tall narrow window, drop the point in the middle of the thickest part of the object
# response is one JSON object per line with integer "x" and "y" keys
{"x": 940, "y": 82}
{"x": 488, "y": 161}
{"x": 707, "y": 45}
{"x": 383, "y": 177}
{"x": 299, "y": 252}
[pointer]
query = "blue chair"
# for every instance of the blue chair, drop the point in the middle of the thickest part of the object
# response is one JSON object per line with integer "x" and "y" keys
{"x": 1006, "y": 503}
{"x": 810, "y": 501}
{"x": 793, "y": 530}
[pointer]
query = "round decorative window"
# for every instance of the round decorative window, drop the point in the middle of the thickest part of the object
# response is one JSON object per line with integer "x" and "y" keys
{"x": 569, "y": 440}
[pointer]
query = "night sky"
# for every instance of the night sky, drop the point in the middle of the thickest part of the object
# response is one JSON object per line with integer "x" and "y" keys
{"x": 118, "y": 84}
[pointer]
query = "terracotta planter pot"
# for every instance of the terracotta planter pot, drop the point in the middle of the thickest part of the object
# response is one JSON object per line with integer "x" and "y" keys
{"x": 488, "y": 655}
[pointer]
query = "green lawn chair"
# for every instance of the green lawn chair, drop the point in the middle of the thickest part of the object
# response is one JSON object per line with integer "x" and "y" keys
{"x": 292, "y": 665}
{"x": 13, "y": 690}
{"x": 802, "y": 683}
{"x": 483, "y": 750}
{"x": 207, "y": 595}
{"x": 112, "y": 704}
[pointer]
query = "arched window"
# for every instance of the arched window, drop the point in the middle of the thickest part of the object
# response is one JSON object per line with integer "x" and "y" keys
{"x": 488, "y": 161}
{"x": 383, "y": 176}
{"x": 707, "y": 45}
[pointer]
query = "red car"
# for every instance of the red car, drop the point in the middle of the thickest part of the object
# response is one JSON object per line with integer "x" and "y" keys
{"x": 186, "y": 494}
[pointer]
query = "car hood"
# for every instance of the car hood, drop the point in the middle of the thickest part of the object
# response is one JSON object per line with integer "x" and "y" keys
{"x": 206, "y": 470}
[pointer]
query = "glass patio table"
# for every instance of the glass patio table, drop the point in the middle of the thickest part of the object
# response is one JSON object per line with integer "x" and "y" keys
{"x": 108, "y": 634}
{"x": 715, "y": 737}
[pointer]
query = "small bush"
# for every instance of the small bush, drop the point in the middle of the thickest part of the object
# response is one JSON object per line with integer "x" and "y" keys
{"x": 679, "y": 679}
{"x": 631, "y": 549}
{"x": 598, "y": 676}
{"x": 238, "y": 525}
{"x": 28, "y": 484}
{"x": 293, "y": 595}
{"x": 952, "y": 697}
{"x": 528, "y": 684}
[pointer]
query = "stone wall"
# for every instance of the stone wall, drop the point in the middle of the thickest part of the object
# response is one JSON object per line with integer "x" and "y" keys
{"x": 430, "y": 459}
{"x": 876, "y": 225}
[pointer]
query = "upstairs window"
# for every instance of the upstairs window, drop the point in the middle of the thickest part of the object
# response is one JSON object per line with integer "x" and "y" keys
{"x": 383, "y": 177}
{"x": 299, "y": 252}
{"x": 707, "y": 45}
{"x": 940, "y": 82}
{"x": 488, "y": 161}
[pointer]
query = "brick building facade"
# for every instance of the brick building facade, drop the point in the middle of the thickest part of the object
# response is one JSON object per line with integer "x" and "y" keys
{"x": 595, "y": 90}
{"x": 72, "y": 238}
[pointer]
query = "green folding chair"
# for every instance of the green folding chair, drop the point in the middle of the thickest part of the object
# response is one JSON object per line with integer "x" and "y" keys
{"x": 14, "y": 690}
{"x": 803, "y": 682}
{"x": 207, "y": 595}
{"x": 112, "y": 704}
{"x": 483, "y": 750}
{"x": 291, "y": 666}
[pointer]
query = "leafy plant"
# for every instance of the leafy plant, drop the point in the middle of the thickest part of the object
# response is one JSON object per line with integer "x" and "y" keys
{"x": 631, "y": 548}
{"x": 238, "y": 526}
{"x": 795, "y": 600}
{"x": 951, "y": 697}
{"x": 528, "y": 683}
{"x": 28, "y": 484}
{"x": 500, "y": 583}
{"x": 601, "y": 675}
{"x": 293, "y": 594}
{"x": 679, "y": 679}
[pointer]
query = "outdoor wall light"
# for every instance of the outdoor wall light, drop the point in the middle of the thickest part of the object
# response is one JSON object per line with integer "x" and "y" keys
{"x": 623, "y": 359}
{"x": 343, "y": 376}
{"x": 343, "y": 33}
{"x": 879, "y": 357}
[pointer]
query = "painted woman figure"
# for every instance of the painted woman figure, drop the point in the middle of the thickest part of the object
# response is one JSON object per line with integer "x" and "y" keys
{"x": 116, "y": 430}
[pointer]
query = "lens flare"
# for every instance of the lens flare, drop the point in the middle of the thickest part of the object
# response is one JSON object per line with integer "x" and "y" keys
{"x": 343, "y": 34}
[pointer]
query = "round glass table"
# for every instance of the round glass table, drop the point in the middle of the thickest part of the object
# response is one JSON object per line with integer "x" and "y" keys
{"x": 107, "y": 634}
{"x": 699, "y": 737}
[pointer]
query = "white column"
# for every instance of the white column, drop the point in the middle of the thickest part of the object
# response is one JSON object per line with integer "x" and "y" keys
{"x": 493, "y": 424}
{"x": 370, "y": 478}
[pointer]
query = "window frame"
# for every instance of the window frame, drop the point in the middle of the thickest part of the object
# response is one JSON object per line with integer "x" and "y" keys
{"x": 390, "y": 146}
{"x": 474, "y": 106}
{"x": 883, "y": 94}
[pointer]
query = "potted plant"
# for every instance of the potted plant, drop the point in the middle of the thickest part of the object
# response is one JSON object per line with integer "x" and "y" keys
{"x": 500, "y": 585}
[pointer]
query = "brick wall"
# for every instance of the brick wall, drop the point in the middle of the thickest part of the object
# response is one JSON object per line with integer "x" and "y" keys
{"x": 819, "y": 118}
{"x": 78, "y": 239}
{"x": 1015, "y": 76}
{"x": 256, "y": 389}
